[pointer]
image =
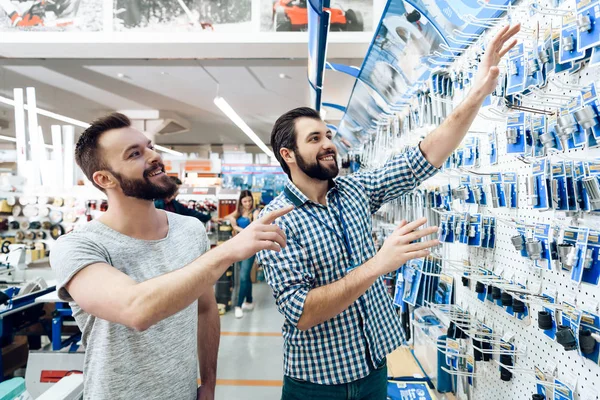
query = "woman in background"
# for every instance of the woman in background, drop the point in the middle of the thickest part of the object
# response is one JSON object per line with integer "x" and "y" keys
{"x": 240, "y": 219}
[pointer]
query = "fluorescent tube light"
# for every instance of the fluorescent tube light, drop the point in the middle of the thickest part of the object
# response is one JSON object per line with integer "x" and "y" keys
{"x": 21, "y": 136}
{"x": 236, "y": 119}
{"x": 14, "y": 140}
{"x": 33, "y": 131}
{"x": 8, "y": 138}
{"x": 166, "y": 150}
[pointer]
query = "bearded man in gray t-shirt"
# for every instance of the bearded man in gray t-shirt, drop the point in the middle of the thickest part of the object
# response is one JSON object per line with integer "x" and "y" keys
{"x": 140, "y": 280}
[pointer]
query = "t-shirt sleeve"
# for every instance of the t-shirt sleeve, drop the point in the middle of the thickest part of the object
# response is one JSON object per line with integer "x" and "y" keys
{"x": 70, "y": 254}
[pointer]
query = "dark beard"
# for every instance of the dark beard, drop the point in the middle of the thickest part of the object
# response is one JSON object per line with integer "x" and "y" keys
{"x": 144, "y": 189}
{"x": 316, "y": 170}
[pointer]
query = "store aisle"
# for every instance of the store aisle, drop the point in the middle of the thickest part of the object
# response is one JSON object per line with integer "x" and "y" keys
{"x": 250, "y": 356}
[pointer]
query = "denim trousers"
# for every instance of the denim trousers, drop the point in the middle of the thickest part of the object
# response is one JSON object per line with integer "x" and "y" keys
{"x": 371, "y": 387}
{"x": 245, "y": 292}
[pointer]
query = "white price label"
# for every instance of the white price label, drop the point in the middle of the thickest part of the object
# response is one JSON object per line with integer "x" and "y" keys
{"x": 550, "y": 369}
{"x": 508, "y": 336}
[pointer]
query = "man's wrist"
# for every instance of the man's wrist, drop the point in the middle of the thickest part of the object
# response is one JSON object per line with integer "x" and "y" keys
{"x": 477, "y": 94}
{"x": 371, "y": 267}
{"x": 222, "y": 256}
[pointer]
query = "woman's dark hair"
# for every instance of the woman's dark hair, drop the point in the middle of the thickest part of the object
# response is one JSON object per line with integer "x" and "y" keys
{"x": 283, "y": 134}
{"x": 240, "y": 209}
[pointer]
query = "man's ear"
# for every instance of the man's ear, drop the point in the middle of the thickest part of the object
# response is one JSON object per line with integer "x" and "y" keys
{"x": 287, "y": 155}
{"x": 104, "y": 179}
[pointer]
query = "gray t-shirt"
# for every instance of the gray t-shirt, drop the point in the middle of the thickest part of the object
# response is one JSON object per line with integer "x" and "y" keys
{"x": 122, "y": 363}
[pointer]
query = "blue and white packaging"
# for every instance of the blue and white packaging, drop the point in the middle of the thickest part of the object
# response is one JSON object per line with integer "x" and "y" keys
{"x": 399, "y": 292}
{"x": 465, "y": 180}
{"x": 578, "y": 138}
{"x": 488, "y": 232}
{"x": 595, "y": 59}
{"x": 478, "y": 190}
{"x": 589, "y": 97}
{"x": 588, "y": 12}
{"x": 471, "y": 152}
{"x": 569, "y": 237}
{"x": 591, "y": 259}
{"x": 496, "y": 179}
{"x": 540, "y": 170}
{"x": 560, "y": 198}
{"x": 515, "y": 134}
{"x": 551, "y": 129}
{"x": 563, "y": 391}
{"x": 462, "y": 228}
{"x": 534, "y": 70}
{"x": 475, "y": 231}
{"x": 493, "y": 148}
{"x": 593, "y": 169}
{"x": 412, "y": 281}
{"x": 546, "y": 49}
{"x": 516, "y": 70}
{"x": 581, "y": 247}
{"x": 570, "y": 184}
{"x": 569, "y": 43}
{"x": 510, "y": 189}
{"x": 580, "y": 191}
{"x": 543, "y": 233}
{"x": 538, "y": 127}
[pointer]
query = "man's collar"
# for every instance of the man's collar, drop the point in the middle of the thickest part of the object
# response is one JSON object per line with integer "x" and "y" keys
{"x": 298, "y": 198}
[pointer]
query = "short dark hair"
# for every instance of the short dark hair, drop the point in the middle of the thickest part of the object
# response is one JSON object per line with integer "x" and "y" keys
{"x": 284, "y": 133}
{"x": 87, "y": 153}
{"x": 176, "y": 180}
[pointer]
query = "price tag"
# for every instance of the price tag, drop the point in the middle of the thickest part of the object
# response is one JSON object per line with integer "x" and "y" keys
{"x": 508, "y": 336}
{"x": 570, "y": 379}
{"x": 550, "y": 369}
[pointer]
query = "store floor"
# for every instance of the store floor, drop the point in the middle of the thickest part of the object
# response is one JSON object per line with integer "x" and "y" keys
{"x": 251, "y": 352}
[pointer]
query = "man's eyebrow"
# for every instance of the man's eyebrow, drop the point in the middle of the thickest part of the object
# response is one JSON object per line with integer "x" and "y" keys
{"x": 133, "y": 146}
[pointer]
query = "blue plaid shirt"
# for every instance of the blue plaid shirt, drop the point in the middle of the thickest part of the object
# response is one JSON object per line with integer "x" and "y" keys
{"x": 349, "y": 346}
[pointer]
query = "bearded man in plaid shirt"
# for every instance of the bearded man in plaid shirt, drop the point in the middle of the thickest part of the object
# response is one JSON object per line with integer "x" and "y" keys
{"x": 339, "y": 320}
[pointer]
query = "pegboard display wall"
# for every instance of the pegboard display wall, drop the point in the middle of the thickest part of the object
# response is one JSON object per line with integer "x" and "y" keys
{"x": 538, "y": 349}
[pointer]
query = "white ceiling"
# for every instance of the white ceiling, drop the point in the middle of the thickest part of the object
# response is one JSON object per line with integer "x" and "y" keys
{"x": 85, "y": 89}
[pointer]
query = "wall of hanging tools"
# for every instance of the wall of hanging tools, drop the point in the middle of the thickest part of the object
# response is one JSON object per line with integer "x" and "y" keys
{"x": 507, "y": 306}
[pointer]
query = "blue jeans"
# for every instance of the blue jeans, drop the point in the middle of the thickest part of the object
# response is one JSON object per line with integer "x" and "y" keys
{"x": 245, "y": 281}
{"x": 371, "y": 387}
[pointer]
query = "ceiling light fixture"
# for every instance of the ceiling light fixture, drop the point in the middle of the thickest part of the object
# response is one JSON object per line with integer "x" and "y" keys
{"x": 236, "y": 119}
{"x": 14, "y": 140}
{"x": 166, "y": 150}
{"x": 76, "y": 122}
{"x": 8, "y": 138}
